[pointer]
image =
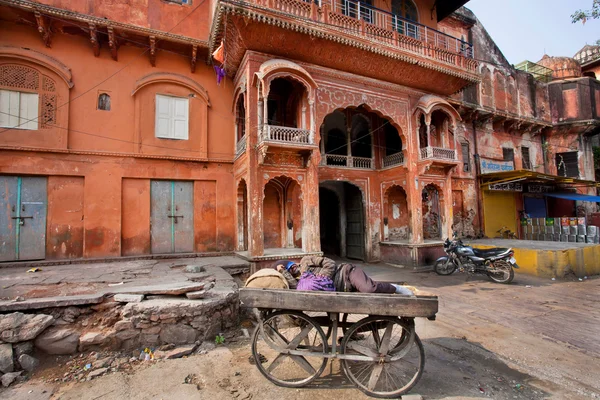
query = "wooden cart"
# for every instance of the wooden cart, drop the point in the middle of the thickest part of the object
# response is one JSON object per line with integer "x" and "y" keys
{"x": 380, "y": 353}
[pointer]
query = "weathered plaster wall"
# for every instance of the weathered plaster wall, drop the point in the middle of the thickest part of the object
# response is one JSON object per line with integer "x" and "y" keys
{"x": 100, "y": 163}
{"x": 155, "y": 14}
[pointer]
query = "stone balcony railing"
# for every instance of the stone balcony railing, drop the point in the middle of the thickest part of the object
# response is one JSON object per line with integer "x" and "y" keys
{"x": 381, "y": 26}
{"x": 438, "y": 153}
{"x": 240, "y": 146}
{"x": 284, "y": 134}
{"x": 335, "y": 160}
{"x": 393, "y": 160}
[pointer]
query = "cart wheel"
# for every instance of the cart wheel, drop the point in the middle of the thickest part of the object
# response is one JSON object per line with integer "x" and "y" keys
{"x": 290, "y": 330}
{"x": 399, "y": 353}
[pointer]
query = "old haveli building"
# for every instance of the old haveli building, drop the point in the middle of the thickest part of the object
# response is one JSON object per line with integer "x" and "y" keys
{"x": 354, "y": 128}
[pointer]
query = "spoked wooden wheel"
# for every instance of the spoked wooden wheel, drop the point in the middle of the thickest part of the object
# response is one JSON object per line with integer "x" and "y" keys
{"x": 289, "y": 330}
{"x": 397, "y": 351}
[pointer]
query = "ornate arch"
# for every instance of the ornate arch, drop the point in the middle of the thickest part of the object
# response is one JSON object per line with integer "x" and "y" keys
{"x": 35, "y": 57}
{"x": 177, "y": 79}
{"x": 278, "y": 68}
{"x": 330, "y": 99}
{"x": 430, "y": 103}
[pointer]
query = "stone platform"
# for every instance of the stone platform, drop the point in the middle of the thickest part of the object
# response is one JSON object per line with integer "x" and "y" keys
{"x": 411, "y": 255}
{"x": 66, "y": 309}
{"x": 274, "y": 254}
{"x": 549, "y": 259}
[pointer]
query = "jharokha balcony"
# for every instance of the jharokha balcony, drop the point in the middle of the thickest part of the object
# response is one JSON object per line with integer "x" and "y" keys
{"x": 438, "y": 153}
{"x": 283, "y": 134}
{"x": 362, "y": 26}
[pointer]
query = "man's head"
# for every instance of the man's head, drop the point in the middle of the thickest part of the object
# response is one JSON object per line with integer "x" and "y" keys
{"x": 287, "y": 265}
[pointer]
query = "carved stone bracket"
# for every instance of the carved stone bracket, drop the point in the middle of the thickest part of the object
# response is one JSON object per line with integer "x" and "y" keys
{"x": 94, "y": 40}
{"x": 262, "y": 153}
{"x": 43, "y": 26}
{"x": 194, "y": 57}
{"x": 153, "y": 51}
{"x": 112, "y": 43}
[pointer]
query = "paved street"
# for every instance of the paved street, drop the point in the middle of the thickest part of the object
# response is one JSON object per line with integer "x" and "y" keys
{"x": 533, "y": 339}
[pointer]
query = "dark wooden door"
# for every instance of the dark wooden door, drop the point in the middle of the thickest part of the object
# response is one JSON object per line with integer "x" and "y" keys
{"x": 355, "y": 227}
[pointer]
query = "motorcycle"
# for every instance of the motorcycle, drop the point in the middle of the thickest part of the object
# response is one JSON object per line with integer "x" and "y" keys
{"x": 497, "y": 263}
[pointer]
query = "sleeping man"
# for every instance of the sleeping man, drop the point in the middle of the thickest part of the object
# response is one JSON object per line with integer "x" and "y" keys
{"x": 322, "y": 273}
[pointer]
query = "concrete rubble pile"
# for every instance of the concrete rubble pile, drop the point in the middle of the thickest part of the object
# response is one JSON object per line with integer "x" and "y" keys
{"x": 168, "y": 320}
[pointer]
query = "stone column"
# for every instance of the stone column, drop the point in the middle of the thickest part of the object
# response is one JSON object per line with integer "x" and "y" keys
{"x": 311, "y": 238}
{"x": 256, "y": 106}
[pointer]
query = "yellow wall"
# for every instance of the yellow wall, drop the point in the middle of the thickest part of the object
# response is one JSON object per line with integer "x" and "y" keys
{"x": 556, "y": 263}
{"x": 499, "y": 209}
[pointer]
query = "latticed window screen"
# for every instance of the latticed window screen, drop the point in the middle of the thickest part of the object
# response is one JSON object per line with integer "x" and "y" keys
{"x": 525, "y": 158}
{"x": 567, "y": 164}
{"x": 28, "y": 81}
{"x": 508, "y": 154}
{"x": 466, "y": 157}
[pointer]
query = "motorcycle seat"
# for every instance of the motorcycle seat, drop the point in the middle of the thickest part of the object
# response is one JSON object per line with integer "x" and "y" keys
{"x": 484, "y": 253}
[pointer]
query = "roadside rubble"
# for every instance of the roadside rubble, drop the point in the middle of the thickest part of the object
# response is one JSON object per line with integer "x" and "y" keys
{"x": 179, "y": 314}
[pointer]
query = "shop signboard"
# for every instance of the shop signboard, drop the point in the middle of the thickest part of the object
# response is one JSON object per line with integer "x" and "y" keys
{"x": 507, "y": 187}
{"x": 489, "y": 166}
{"x": 540, "y": 189}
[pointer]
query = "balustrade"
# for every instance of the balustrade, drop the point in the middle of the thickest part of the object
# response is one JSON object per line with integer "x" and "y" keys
{"x": 240, "y": 146}
{"x": 285, "y": 134}
{"x": 336, "y": 160}
{"x": 438, "y": 153}
{"x": 393, "y": 159}
{"x": 383, "y": 26}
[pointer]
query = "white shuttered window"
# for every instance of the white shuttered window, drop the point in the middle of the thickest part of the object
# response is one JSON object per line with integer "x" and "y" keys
{"x": 172, "y": 120}
{"x": 19, "y": 110}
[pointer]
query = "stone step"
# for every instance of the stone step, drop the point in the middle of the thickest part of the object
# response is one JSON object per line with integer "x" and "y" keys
{"x": 49, "y": 302}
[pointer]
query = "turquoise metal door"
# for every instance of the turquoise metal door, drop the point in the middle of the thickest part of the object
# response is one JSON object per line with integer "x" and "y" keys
{"x": 23, "y": 203}
{"x": 172, "y": 217}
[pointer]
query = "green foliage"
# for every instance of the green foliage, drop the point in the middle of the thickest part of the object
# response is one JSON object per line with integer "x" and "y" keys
{"x": 584, "y": 15}
{"x": 219, "y": 339}
{"x": 596, "y": 157}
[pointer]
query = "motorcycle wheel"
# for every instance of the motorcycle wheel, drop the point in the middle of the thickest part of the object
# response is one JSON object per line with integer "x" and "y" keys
{"x": 444, "y": 267}
{"x": 502, "y": 272}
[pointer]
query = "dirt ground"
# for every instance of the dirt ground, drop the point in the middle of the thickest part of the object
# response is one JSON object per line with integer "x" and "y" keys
{"x": 533, "y": 339}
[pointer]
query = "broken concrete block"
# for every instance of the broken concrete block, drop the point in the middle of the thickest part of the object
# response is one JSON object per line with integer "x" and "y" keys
{"x": 23, "y": 348}
{"x": 6, "y": 358}
{"x": 175, "y": 353}
{"x": 196, "y": 295}
{"x": 97, "y": 372}
{"x": 94, "y": 338}
{"x": 18, "y": 327}
{"x": 9, "y": 378}
{"x": 57, "y": 340}
{"x": 178, "y": 334}
{"x": 171, "y": 288}
{"x": 28, "y": 363}
{"x": 129, "y": 298}
{"x": 194, "y": 269}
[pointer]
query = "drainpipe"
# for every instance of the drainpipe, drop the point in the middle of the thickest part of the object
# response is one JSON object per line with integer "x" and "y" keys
{"x": 477, "y": 173}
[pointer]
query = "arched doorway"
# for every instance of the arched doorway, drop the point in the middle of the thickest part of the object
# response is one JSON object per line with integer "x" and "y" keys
{"x": 396, "y": 219}
{"x": 342, "y": 220}
{"x": 282, "y": 213}
{"x": 432, "y": 219}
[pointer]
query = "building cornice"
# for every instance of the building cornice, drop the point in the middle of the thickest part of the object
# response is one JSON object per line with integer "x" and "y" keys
{"x": 116, "y": 154}
{"x": 102, "y": 22}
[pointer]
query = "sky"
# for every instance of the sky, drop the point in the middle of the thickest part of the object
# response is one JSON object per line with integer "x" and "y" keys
{"x": 528, "y": 29}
